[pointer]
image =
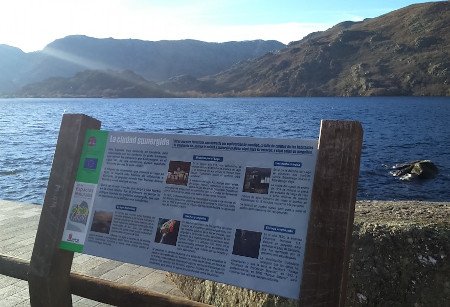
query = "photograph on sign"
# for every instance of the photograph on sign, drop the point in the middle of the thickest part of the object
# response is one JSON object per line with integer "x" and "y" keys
{"x": 247, "y": 243}
{"x": 178, "y": 172}
{"x": 257, "y": 180}
{"x": 167, "y": 231}
{"x": 101, "y": 221}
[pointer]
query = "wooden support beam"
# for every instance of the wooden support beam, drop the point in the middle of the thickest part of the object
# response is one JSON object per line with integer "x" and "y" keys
{"x": 14, "y": 267}
{"x": 50, "y": 266}
{"x": 325, "y": 267}
{"x": 99, "y": 289}
{"x": 122, "y": 295}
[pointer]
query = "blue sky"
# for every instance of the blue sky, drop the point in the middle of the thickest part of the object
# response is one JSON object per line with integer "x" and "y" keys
{"x": 32, "y": 24}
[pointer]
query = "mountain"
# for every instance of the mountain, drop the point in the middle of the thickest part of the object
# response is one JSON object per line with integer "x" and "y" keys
{"x": 95, "y": 83}
{"x": 154, "y": 61}
{"x": 405, "y": 52}
{"x": 12, "y": 62}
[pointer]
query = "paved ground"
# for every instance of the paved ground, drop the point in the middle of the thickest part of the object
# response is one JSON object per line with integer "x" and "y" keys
{"x": 18, "y": 224}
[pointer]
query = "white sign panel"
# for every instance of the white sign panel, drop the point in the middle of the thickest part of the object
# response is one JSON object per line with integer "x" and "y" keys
{"x": 229, "y": 209}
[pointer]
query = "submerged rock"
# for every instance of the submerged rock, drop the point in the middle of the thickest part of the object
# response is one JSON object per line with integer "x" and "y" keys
{"x": 422, "y": 169}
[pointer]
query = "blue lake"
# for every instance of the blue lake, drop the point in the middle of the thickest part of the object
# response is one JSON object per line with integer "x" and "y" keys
{"x": 396, "y": 129}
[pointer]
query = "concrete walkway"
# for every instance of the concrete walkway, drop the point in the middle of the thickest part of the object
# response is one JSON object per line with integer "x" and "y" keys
{"x": 18, "y": 225}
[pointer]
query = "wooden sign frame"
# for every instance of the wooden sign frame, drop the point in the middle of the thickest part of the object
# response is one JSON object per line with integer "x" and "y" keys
{"x": 328, "y": 241}
{"x": 325, "y": 267}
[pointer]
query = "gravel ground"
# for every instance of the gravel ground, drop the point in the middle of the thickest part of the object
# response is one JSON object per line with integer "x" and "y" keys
{"x": 402, "y": 212}
{"x": 400, "y": 254}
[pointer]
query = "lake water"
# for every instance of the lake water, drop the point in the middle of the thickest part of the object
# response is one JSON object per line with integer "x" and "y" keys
{"x": 396, "y": 129}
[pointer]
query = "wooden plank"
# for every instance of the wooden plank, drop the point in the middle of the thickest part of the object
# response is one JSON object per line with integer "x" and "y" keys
{"x": 50, "y": 266}
{"x": 99, "y": 289}
{"x": 14, "y": 267}
{"x": 122, "y": 295}
{"x": 325, "y": 267}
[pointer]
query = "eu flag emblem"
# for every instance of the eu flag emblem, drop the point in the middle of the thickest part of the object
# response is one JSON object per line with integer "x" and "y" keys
{"x": 90, "y": 163}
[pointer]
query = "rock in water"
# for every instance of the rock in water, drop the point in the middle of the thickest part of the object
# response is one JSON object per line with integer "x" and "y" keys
{"x": 425, "y": 169}
{"x": 422, "y": 169}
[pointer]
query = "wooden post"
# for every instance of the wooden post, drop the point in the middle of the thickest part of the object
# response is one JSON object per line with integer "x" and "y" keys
{"x": 49, "y": 282}
{"x": 325, "y": 267}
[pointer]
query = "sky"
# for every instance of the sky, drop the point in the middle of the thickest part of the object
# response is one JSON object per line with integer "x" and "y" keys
{"x": 32, "y": 24}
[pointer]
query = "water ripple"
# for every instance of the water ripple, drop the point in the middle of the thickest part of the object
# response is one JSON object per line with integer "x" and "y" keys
{"x": 29, "y": 130}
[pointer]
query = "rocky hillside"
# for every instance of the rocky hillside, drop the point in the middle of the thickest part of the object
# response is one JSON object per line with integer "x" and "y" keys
{"x": 153, "y": 60}
{"x": 94, "y": 83}
{"x": 405, "y": 52}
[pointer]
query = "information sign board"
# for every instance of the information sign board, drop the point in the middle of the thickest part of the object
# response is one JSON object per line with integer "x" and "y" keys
{"x": 229, "y": 209}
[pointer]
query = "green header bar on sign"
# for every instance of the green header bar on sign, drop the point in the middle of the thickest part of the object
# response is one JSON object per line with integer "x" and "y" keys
{"x": 68, "y": 246}
{"x": 91, "y": 159}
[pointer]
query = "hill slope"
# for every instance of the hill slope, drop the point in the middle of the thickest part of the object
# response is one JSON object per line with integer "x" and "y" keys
{"x": 405, "y": 52}
{"x": 12, "y": 63}
{"x": 154, "y": 61}
{"x": 95, "y": 83}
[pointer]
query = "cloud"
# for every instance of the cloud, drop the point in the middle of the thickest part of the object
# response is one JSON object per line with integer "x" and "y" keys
{"x": 351, "y": 17}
